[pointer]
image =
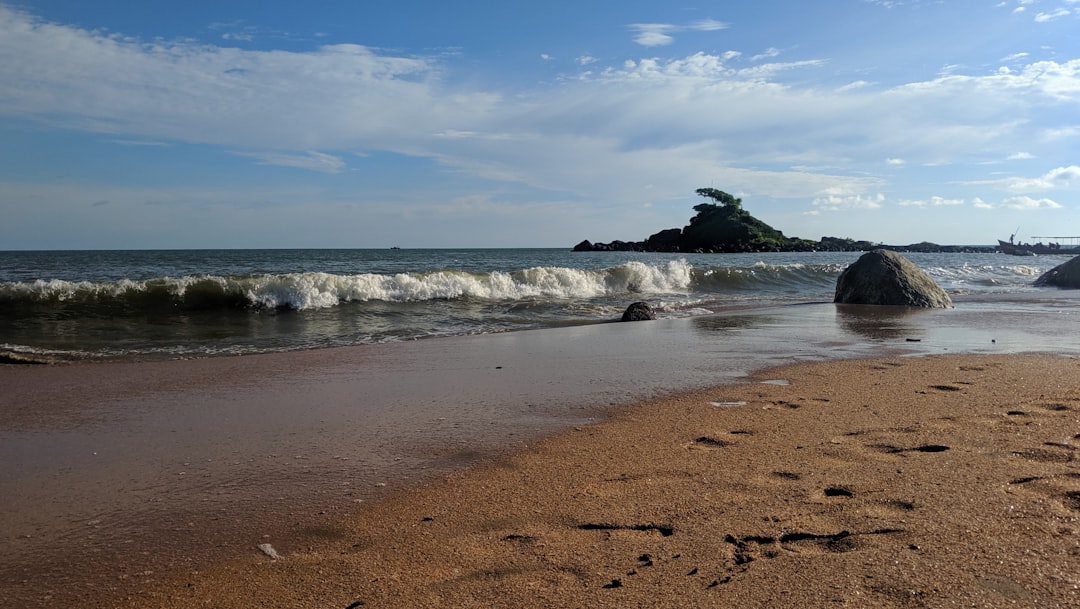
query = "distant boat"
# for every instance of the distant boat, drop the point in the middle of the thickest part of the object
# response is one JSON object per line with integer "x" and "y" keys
{"x": 1053, "y": 248}
{"x": 394, "y": 247}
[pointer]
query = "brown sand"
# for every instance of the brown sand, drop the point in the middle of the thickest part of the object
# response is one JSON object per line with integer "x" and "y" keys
{"x": 905, "y": 482}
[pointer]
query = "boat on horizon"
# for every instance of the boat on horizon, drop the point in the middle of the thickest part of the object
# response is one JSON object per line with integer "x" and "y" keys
{"x": 1053, "y": 248}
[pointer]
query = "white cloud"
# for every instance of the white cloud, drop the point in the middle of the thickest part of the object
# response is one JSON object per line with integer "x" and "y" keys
{"x": 853, "y": 86}
{"x": 660, "y": 34}
{"x": 767, "y": 54}
{"x": 585, "y": 60}
{"x": 1020, "y": 156}
{"x": 1058, "y": 133}
{"x": 1054, "y": 14}
{"x": 931, "y": 202}
{"x": 841, "y": 202}
{"x": 1028, "y": 203}
{"x": 895, "y": 162}
{"x": 316, "y": 161}
{"x": 708, "y": 25}
{"x": 1055, "y": 179}
{"x": 653, "y": 34}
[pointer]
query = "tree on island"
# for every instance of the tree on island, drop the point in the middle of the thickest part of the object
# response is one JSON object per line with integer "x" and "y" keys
{"x": 721, "y": 197}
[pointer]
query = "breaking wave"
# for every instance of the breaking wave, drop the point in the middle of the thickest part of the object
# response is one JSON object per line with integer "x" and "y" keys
{"x": 306, "y": 291}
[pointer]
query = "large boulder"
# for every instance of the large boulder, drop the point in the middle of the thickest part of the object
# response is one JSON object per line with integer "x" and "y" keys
{"x": 638, "y": 311}
{"x": 883, "y": 277}
{"x": 1065, "y": 275}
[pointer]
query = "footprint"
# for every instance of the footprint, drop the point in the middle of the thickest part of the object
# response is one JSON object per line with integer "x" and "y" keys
{"x": 1046, "y": 455}
{"x": 663, "y": 530}
{"x": 926, "y": 448}
{"x": 709, "y": 442}
{"x": 946, "y": 387}
{"x": 1071, "y": 500}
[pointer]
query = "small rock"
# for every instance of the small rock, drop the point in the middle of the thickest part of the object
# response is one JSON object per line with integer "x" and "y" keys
{"x": 269, "y": 550}
{"x": 638, "y": 311}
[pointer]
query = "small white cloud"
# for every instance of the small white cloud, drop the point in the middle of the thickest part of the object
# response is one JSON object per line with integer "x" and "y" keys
{"x": 659, "y": 34}
{"x": 768, "y": 53}
{"x": 653, "y": 34}
{"x": 853, "y": 86}
{"x": 315, "y": 161}
{"x": 949, "y": 69}
{"x": 152, "y": 143}
{"x": 931, "y": 202}
{"x": 1021, "y": 156}
{"x": 980, "y": 204}
{"x": 1026, "y": 203}
{"x": 895, "y": 162}
{"x": 708, "y": 25}
{"x": 1060, "y": 177}
{"x": 1015, "y": 57}
{"x": 1054, "y": 14}
{"x": 1058, "y": 133}
{"x": 545, "y": 56}
{"x": 834, "y": 202}
{"x": 585, "y": 60}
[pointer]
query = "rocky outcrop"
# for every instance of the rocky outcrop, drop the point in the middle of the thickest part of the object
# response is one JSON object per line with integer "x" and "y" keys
{"x": 638, "y": 311}
{"x": 723, "y": 229}
{"x": 883, "y": 277}
{"x": 1065, "y": 275}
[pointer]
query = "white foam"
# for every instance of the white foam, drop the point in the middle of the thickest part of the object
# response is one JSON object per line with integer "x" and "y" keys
{"x": 319, "y": 290}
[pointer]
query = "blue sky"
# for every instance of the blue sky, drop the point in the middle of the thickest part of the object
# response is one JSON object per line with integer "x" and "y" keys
{"x": 156, "y": 124}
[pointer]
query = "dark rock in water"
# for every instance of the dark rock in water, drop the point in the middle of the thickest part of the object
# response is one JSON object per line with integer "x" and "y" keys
{"x": 638, "y": 311}
{"x": 1065, "y": 275}
{"x": 883, "y": 277}
{"x": 584, "y": 246}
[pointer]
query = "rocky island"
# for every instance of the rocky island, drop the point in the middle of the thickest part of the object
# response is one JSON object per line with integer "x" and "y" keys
{"x": 723, "y": 226}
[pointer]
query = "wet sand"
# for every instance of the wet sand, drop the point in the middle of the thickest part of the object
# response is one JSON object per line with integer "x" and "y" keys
{"x": 906, "y": 480}
{"x": 915, "y": 482}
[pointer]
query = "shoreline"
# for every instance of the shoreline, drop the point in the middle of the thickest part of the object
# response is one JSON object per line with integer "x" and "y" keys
{"x": 216, "y": 455}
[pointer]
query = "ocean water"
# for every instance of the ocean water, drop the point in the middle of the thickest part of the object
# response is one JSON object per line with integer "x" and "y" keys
{"x": 192, "y": 303}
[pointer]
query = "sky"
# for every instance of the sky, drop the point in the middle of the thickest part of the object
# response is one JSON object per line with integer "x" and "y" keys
{"x": 420, "y": 123}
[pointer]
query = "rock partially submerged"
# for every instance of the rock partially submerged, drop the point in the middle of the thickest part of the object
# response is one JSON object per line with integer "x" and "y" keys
{"x": 638, "y": 311}
{"x": 883, "y": 277}
{"x": 1065, "y": 275}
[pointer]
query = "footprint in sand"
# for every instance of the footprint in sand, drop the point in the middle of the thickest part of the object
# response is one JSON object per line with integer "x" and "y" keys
{"x": 1049, "y": 452}
{"x": 1062, "y": 489}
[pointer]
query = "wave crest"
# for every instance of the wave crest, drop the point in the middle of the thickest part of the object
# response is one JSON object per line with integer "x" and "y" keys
{"x": 305, "y": 291}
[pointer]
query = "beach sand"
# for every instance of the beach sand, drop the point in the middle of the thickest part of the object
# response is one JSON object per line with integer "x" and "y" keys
{"x": 935, "y": 481}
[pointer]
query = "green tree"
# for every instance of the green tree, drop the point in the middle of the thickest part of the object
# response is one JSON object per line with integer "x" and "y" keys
{"x": 721, "y": 197}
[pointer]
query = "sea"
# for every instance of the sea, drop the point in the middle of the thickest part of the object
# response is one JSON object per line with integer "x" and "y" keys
{"x": 164, "y": 304}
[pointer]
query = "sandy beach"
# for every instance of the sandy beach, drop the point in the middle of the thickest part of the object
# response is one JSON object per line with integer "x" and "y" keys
{"x": 931, "y": 481}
